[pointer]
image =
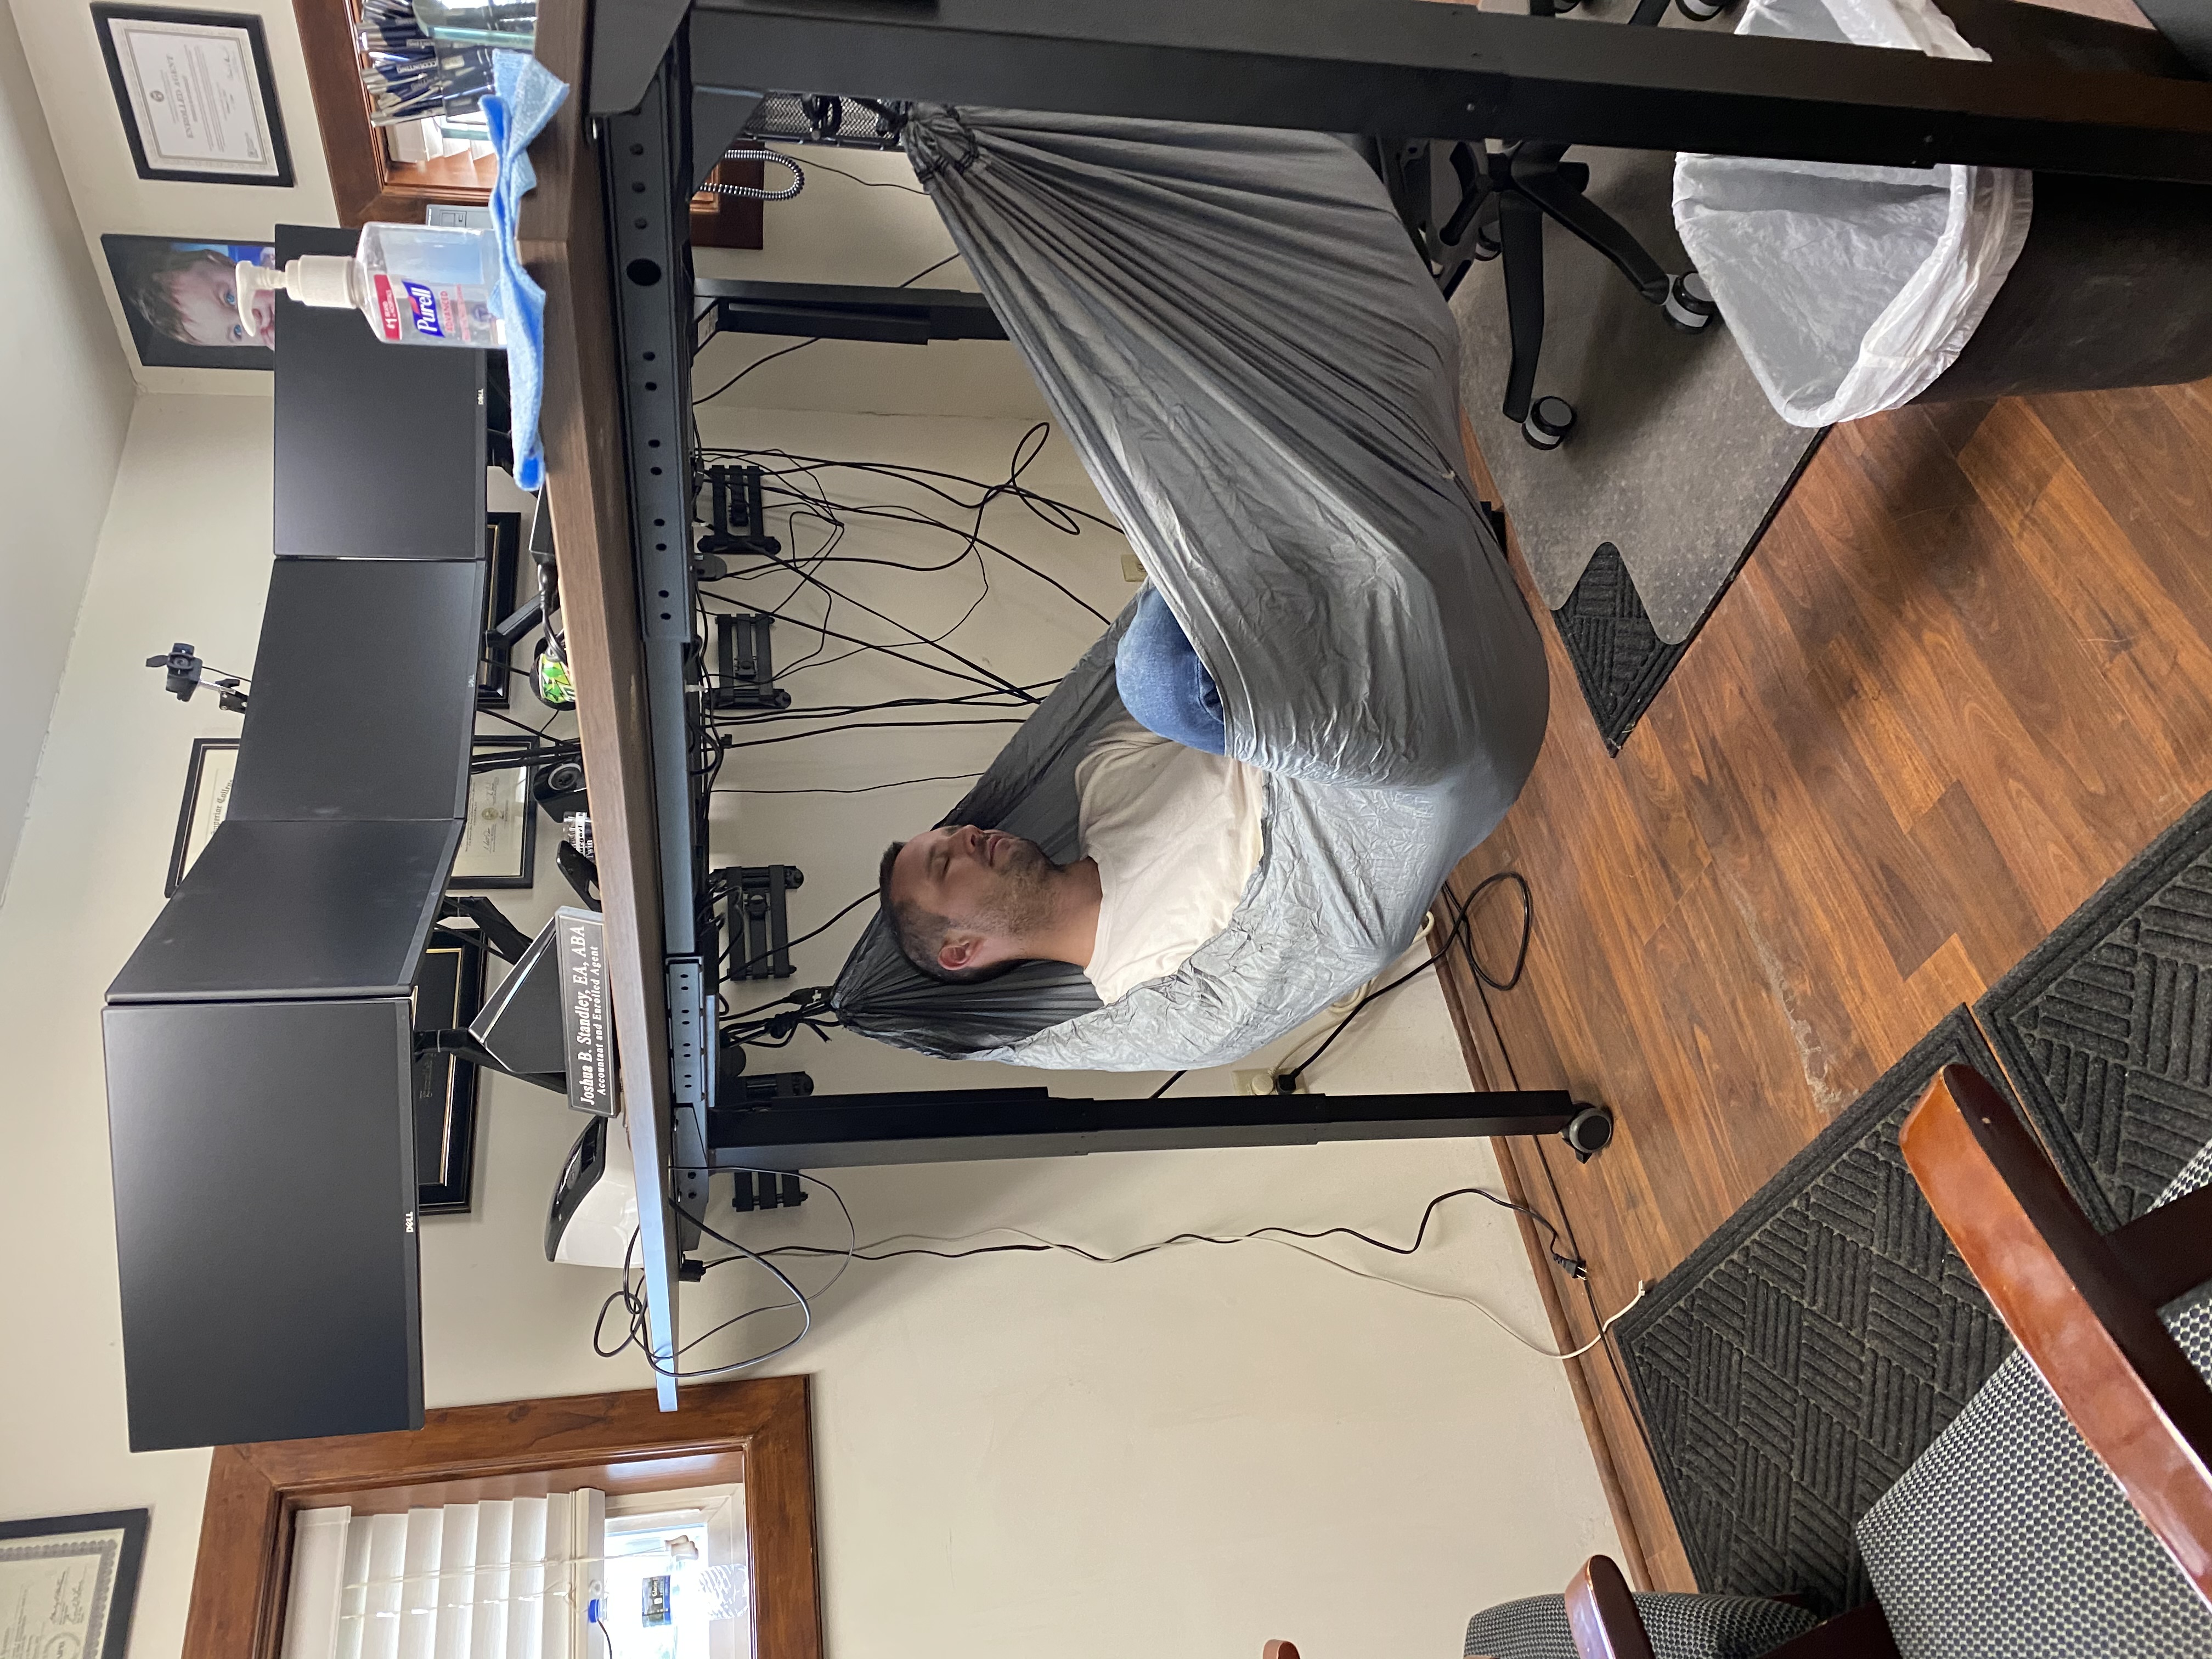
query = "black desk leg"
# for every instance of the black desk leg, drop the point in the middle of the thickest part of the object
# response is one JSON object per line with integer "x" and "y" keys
{"x": 828, "y": 1132}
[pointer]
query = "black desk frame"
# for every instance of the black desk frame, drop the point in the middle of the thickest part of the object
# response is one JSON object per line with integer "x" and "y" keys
{"x": 1439, "y": 70}
{"x": 648, "y": 160}
{"x": 671, "y": 84}
{"x": 1337, "y": 65}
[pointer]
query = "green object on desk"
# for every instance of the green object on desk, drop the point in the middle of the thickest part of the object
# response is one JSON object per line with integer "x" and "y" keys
{"x": 555, "y": 690}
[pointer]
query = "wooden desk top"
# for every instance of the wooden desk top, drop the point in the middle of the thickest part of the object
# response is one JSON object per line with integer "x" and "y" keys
{"x": 563, "y": 240}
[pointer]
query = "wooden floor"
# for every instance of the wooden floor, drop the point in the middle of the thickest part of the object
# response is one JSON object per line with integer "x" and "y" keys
{"x": 1964, "y": 678}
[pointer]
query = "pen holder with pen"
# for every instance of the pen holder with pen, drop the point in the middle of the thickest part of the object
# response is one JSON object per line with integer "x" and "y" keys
{"x": 480, "y": 22}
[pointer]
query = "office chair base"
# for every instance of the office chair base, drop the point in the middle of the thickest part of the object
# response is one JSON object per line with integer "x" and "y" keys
{"x": 1688, "y": 307}
{"x": 1551, "y": 422}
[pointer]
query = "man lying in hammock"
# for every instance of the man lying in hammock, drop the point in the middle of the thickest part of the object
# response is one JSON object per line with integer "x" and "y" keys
{"x": 1170, "y": 831}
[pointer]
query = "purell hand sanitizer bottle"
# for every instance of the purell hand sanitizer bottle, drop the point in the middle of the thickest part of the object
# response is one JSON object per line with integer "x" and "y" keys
{"x": 417, "y": 285}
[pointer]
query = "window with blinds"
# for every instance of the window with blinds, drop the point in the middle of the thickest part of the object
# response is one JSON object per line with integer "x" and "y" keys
{"x": 507, "y": 1578}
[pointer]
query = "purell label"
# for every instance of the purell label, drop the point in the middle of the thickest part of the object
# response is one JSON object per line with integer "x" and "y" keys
{"x": 387, "y": 309}
{"x": 409, "y": 313}
{"x": 425, "y": 303}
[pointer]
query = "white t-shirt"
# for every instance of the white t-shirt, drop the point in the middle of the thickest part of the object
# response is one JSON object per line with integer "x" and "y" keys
{"x": 1176, "y": 834}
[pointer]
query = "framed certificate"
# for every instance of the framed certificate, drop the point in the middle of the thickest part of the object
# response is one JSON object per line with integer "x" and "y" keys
{"x": 194, "y": 89}
{"x": 207, "y": 798}
{"x": 68, "y": 1583}
{"x": 499, "y": 843}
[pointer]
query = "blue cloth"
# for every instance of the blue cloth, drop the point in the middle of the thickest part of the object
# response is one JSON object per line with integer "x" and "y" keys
{"x": 527, "y": 96}
{"x": 1163, "y": 685}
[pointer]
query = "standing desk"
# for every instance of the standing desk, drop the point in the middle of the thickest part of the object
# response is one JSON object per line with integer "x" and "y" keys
{"x": 661, "y": 87}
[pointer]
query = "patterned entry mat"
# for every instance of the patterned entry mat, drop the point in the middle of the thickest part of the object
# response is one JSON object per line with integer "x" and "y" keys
{"x": 1620, "y": 660}
{"x": 2107, "y": 1027}
{"x": 1794, "y": 1366}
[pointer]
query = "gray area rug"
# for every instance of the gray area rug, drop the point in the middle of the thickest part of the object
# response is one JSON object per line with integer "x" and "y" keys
{"x": 1677, "y": 460}
{"x": 2107, "y": 1027}
{"x": 1798, "y": 1362}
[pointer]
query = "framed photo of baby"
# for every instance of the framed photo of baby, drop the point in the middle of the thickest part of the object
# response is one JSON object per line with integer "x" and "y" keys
{"x": 180, "y": 297}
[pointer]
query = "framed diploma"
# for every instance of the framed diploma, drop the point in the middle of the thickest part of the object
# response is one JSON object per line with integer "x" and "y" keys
{"x": 67, "y": 1584}
{"x": 198, "y": 100}
{"x": 499, "y": 843}
{"x": 207, "y": 798}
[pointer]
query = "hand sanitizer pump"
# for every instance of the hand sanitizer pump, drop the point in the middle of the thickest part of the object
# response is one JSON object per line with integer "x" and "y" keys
{"x": 415, "y": 284}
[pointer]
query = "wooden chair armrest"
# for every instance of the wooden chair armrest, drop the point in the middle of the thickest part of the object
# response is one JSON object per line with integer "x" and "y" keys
{"x": 2074, "y": 1306}
{"x": 1862, "y": 1633}
{"x": 1602, "y": 1613}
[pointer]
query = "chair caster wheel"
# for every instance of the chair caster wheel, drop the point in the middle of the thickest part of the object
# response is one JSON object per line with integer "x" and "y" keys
{"x": 1699, "y": 11}
{"x": 1551, "y": 422}
{"x": 1688, "y": 307}
{"x": 1589, "y": 1133}
{"x": 1485, "y": 245}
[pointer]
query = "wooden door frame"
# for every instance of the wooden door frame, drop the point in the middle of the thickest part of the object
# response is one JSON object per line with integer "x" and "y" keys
{"x": 758, "y": 1431}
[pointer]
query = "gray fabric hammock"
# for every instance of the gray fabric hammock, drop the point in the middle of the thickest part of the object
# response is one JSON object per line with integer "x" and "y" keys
{"x": 1232, "y": 327}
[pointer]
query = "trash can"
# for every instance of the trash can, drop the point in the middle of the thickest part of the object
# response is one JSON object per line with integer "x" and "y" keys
{"x": 1853, "y": 289}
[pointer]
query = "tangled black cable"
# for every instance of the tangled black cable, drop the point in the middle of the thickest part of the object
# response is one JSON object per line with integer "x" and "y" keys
{"x": 632, "y": 1300}
{"x": 868, "y": 1253}
{"x": 798, "y": 483}
{"x": 632, "y": 1296}
{"x": 1064, "y": 516}
{"x": 808, "y": 1009}
{"x": 1557, "y": 1249}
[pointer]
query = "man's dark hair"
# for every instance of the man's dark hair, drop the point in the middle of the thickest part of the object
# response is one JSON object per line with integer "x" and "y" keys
{"x": 921, "y": 933}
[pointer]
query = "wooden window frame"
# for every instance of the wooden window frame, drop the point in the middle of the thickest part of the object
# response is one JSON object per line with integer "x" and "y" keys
{"x": 758, "y": 1431}
{"x": 367, "y": 183}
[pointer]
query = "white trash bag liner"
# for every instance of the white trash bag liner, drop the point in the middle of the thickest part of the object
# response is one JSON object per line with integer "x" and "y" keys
{"x": 1851, "y": 288}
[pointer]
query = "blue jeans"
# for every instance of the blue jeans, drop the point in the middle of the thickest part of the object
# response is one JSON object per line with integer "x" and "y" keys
{"x": 1162, "y": 684}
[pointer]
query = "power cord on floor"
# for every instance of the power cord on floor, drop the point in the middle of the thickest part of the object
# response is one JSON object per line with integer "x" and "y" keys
{"x": 633, "y": 1298}
{"x": 1590, "y": 1292}
{"x": 1285, "y": 1237}
{"x": 1259, "y": 1235}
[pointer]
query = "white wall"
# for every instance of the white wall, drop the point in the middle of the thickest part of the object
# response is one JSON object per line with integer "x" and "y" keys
{"x": 107, "y": 192}
{"x": 62, "y": 423}
{"x": 183, "y": 555}
{"x": 875, "y": 230}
